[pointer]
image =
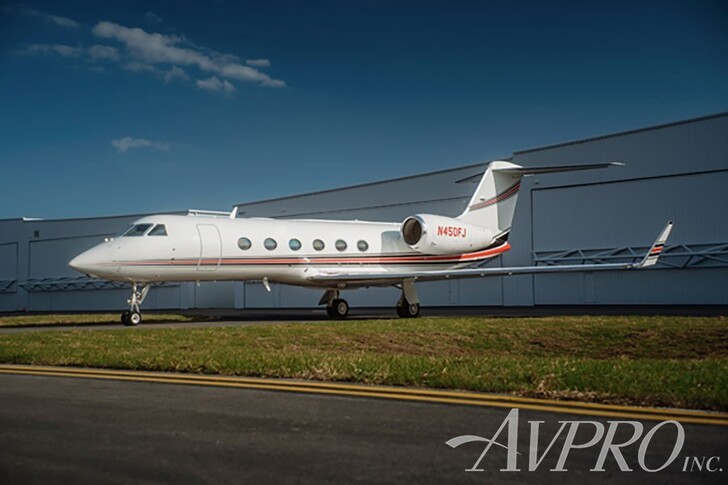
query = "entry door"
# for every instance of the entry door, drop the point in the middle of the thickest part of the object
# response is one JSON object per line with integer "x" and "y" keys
{"x": 210, "y": 247}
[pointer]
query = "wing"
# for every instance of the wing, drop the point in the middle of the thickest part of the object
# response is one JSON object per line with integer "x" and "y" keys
{"x": 382, "y": 279}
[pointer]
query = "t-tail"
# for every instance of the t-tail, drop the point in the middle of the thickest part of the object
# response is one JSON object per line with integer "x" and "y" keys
{"x": 494, "y": 202}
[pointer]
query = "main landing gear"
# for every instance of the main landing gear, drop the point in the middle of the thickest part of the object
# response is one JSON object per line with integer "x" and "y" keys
{"x": 339, "y": 308}
{"x": 335, "y": 307}
{"x": 133, "y": 316}
{"x": 408, "y": 305}
{"x": 406, "y": 309}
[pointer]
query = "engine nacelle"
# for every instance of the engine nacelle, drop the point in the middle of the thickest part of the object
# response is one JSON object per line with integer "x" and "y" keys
{"x": 432, "y": 234}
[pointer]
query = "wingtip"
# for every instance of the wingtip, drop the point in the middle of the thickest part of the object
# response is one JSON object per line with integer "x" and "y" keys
{"x": 650, "y": 259}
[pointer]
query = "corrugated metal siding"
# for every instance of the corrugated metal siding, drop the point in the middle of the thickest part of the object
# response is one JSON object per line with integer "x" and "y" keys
{"x": 677, "y": 171}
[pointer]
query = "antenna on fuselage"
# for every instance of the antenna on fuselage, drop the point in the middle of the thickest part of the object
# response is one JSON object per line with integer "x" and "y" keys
{"x": 234, "y": 213}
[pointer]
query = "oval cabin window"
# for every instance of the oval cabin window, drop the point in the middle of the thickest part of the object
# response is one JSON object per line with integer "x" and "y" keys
{"x": 294, "y": 244}
{"x": 362, "y": 245}
{"x": 318, "y": 245}
{"x": 340, "y": 245}
{"x": 270, "y": 244}
{"x": 244, "y": 243}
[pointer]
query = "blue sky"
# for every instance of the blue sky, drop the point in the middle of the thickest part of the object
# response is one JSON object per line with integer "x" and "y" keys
{"x": 127, "y": 107}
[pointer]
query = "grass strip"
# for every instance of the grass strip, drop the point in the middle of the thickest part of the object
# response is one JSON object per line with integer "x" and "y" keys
{"x": 653, "y": 361}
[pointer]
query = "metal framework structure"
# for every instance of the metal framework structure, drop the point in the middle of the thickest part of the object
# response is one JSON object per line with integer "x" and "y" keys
{"x": 8, "y": 286}
{"x": 678, "y": 256}
{"x": 81, "y": 283}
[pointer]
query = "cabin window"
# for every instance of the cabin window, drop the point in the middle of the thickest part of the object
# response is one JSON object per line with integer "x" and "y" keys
{"x": 159, "y": 230}
{"x": 136, "y": 230}
{"x": 294, "y": 244}
{"x": 362, "y": 245}
{"x": 244, "y": 243}
{"x": 270, "y": 244}
{"x": 318, "y": 245}
{"x": 340, "y": 245}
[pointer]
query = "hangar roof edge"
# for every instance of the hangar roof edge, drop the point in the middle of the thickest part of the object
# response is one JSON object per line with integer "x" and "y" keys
{"x": 65, "y": 219}
{"x": 623, "y": 133}
{"x": 517, "y": 152}
{"x": 367, "y": 184}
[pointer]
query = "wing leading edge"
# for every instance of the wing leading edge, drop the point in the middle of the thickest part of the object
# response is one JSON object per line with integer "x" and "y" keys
{"x": 375, "y": 279}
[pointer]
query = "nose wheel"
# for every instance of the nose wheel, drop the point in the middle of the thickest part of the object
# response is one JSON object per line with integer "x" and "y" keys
{"x": 133, "y": 316}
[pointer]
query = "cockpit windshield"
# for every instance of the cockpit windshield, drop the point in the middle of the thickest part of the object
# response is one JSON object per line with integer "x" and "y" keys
{"x": 159, "y": 230}
{"x": 136, "y": 230}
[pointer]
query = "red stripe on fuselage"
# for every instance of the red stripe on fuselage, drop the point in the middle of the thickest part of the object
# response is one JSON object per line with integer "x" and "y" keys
{"x": 454, "y": 259}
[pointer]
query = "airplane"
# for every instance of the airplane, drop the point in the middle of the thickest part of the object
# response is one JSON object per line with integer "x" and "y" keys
{"x": 331, "y": 255}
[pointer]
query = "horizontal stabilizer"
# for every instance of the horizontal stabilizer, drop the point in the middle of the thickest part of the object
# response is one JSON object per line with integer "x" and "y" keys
{"x": 556, "y": 169}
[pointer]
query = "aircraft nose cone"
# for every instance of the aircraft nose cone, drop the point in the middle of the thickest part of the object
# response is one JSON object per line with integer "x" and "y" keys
{"x": 81, "y": 263}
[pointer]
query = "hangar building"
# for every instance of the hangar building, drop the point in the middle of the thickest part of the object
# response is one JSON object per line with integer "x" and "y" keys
{"x": 676, "y": 171}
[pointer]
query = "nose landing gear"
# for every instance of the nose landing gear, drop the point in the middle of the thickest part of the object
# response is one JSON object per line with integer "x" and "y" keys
{"x": 133, "y": 316}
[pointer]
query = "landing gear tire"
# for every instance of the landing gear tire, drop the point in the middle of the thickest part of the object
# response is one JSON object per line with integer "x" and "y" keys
{"x": 135, "y": 318}
{"x": 131, "y": 319}
{"x": 339, "y": 308}
{"x": 406, "y": 309}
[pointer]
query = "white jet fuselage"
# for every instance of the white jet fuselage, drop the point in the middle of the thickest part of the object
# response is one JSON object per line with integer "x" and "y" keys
{"x": 196, "y": 248}
{"x": 333, "y": 255}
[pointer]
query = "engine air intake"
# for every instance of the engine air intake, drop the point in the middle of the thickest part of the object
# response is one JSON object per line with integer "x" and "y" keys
{"x": 412, "y": 231}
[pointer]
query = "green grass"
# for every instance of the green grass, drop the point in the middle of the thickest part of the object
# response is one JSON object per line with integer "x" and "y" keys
{"x": 656, "y": 361}
{"x": 80, "y": 319}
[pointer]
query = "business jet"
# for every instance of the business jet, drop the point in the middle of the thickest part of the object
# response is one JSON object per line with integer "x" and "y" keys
{"x": 331, "y": 255}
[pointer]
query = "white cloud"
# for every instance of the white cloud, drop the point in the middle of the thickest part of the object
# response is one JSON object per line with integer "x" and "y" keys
{"x": 126, "y": 143}
{"x": 99, "y": 52}
{"x": 175, "y": 73}
{"x": 258, "y": 62}
{"x": 152, "y": 18}
{"x": 56, "y": 19}
{"x": 60, "y": 49}
{"x": 94, "y": 53}
{"x": 63, "y": 21}
{"x": 215, "y": 84}
{"x": 135, "y": 66}
{"x": 153, "y": 48}
{"x": 168, "y": 57}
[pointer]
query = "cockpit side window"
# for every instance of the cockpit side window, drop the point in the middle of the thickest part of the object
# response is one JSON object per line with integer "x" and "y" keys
{"x": 159, "y": 230}
{"x": 137, "y": 230}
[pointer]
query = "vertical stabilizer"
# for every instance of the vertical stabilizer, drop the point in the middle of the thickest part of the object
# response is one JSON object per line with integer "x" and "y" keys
{"x": 494, "y": 201}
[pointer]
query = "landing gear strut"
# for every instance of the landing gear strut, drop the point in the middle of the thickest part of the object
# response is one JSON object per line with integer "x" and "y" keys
{"x": 335, "y": 307}
{"x": 133, "y": 316}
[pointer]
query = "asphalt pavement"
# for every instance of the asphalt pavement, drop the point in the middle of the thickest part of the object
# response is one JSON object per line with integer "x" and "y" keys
{"x": 71, "y": 430}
